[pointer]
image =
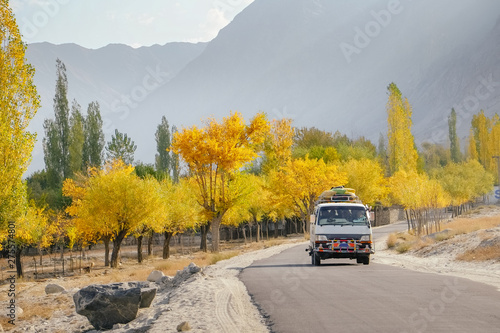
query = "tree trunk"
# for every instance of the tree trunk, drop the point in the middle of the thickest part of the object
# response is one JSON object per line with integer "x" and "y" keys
{"x": 106, "y": 240}
{"x": 62, "y": 257}
{"x": 139, "y": 249}
{"x": 150, "y": 244}
{"x": 117, "y": 242}
{"x": 267, "y": 230}
{"x": 19, "y": 264}
{"x": 257, "y": 236}
{"x": 204, "y": 231}
{"x": 244, "y": 233}
{"x": 215, "y": 233}
{"x": 166, "y": 244}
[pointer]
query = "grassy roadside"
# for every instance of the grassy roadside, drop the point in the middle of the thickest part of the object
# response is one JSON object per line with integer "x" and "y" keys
{"x": 484, "y": 221}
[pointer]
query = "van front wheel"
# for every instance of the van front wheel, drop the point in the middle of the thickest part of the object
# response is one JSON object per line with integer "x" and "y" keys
{"x": 315, "y": 259}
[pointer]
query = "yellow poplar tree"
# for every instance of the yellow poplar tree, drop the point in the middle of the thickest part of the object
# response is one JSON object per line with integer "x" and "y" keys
{"x": 486, "y": 139}
{"x": 278, "y": 146}
{"x": 32, "y": 229}
{"x": 472, "y": 150}
{"x": 183, "y": 210}
{"x": 401, "y": 148}
{"x": 421, "y": 197}
{"x": 301, "y": 181}
{"x": 253, "y": 204}
{"x": 18, "y": 104}
{"x": 367, "y": 178}
{"x": 481, "y": 126}
{"x": 464, "y": 182}
{"x": 214, "y": 154}
{"x": 114, "y": 203}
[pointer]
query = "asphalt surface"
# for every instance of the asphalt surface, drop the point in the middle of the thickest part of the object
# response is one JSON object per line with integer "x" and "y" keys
{"x": 342, "y": 296}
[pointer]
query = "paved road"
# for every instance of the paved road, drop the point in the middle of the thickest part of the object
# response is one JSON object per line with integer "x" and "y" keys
{"x": 342, "y": 296}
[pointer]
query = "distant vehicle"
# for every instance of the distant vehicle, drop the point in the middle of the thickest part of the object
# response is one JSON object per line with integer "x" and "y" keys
{"x": 340, "y": 228}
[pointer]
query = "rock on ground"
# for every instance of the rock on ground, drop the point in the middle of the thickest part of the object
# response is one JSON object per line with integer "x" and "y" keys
{"x": 117, "y": 303}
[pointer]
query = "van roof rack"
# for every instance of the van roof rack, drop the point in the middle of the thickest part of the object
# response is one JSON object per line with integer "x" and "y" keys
{"x": 338, "y": 194}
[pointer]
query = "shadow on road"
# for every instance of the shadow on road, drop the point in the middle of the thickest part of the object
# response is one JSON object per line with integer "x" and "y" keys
{"x": 300, "y": 265}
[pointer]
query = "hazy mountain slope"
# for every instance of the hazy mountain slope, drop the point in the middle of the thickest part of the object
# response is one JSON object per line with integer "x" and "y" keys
{"x": 285, "y": 58}
{"x": 322, "y": 63}
{"x": 117, "y": 76}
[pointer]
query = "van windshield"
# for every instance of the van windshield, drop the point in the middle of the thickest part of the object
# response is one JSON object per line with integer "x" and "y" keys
{"x": 342, "y": 215}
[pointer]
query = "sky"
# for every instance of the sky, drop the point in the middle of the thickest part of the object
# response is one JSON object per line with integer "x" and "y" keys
{"x": 97, "y": 23}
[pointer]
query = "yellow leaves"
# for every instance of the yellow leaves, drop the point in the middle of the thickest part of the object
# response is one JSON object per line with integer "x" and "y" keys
{"x": 465, "y": 181}
{"x": 18, "y": 104}
{"x": 33, "y": 228}
{"x": 401, "y": 149}
{"x": 113, "y": 199}
{"x": 484, "y": 141}
{"x": 367, "y": 178}
{"x": 216, "y": 152}
{"x": 182, "y": 210}
{"x": 226, "y": 145}
{"x": 303, "y": 180}
{"x": 417, "y": 191}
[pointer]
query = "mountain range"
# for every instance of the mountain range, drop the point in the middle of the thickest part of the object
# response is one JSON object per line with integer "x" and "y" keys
{"x": 321, "y": 63}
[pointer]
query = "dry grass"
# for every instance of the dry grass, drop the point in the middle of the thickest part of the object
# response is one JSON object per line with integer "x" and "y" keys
{"x": 406, "y": 241}
{"x": 481, "y": 254}
{"x": 468, "y": 225}
{"x": 401, "y": 241}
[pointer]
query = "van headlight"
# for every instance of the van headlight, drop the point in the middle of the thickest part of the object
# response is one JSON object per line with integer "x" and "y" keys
{"x": 321, "y": 238}
{"x": 365, "y": 238}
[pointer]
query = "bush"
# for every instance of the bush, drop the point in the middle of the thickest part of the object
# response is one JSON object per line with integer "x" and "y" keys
{"x": 392, "y": 241}
{"x": 403, "y": 247}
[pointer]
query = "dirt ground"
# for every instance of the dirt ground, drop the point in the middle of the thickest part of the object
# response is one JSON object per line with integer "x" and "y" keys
{"x": 215, "y": 300}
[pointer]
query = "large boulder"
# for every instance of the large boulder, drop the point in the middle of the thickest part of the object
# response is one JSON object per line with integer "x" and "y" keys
{"x": 110, "y": 304}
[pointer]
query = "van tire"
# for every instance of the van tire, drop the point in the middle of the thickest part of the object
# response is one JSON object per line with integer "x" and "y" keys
{"x": 315, "y": 259}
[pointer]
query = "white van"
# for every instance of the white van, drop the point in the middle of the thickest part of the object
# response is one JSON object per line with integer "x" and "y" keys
{"x": 340, "y": 228}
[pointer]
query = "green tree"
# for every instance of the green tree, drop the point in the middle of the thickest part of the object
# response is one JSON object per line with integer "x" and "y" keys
{"x": 76, "y": 138}
{"x": 93, "y": 147}
{"x": 434, "y": 155}
{"x": 310, "y": 137}
{"x": 382, "y": 153}
{"x": 121, "y": 147}
{"x": 401, "y": 148}
{"x": 19, "y": 103}
{"x": 52, "y": 153}
{"x": 456, "y": 156}
{"x": 163, "y": 141}
{"x": 174, "y": 161}
{"x": 57, "y": 131}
